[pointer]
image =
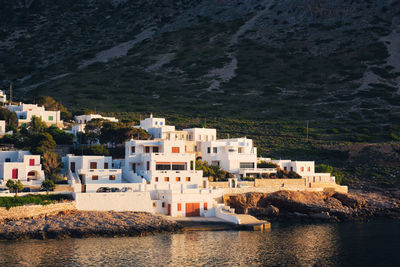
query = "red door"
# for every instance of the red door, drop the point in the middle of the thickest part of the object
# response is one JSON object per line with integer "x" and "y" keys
{"x": 15, "y": 173}
{"x": 169, "y": 209}
{"x": 192, "y": 209}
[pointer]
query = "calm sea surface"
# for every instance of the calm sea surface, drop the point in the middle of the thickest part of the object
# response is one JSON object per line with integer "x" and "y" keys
{"x": 375, "y": 243}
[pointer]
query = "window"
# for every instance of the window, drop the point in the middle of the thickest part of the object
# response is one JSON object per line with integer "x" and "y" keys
{"x": 195, "y": 148}
{"x": 154, "y": 204}
{"x": 105, "y": 165}
{"x": 148, "y": 165}
{"x": 156, "y": 179}
{"x": 93, "y": 165}
{"x": 231, "y": 150}
{"x": 8, "y": 160}
{"x": 163, "y": 166}
{"x": 15, "y": 173}
{"x": 132, "y": 150}
{"x": 308, "y": 169}
{"x": 291, "y": 168}
{"x": 187, "y": 179}
{"x": 72, "y": 167}
{"x": 31, "y": 162}
{"x": 285, "y": 168}
{"x": 215, "y": 163}
{"x": 208, "y": 150}
{"x": 179, "y": 206}
{"x": 134, "y": 167}
{"x": 147, "y": 149}
{"x": 178, "y": 179}
{"x": 175, "y": 149}
{"x": 31, "y": 173}
{"x": 215, "y": 150}
{"x": 53, "y": 124}
{"x": 156, "y": 123}
{"x": 155, "y": 149}
{"x": 302, "y": 169}
{"x": 166, "y": 179}
{"x": 240, "y": 150}
{"x": 50, "y": 118}
{"x": 112, "y": 177}
{"x": 95, "y": 177}
{"x": 161, "y": 123}
{"x": 205, "y": 206}
{"x": 246, "y": 165}
{"x": 176, "y": 166}
{"x": 163, "y": 204}
{"x": 191, "y": 165}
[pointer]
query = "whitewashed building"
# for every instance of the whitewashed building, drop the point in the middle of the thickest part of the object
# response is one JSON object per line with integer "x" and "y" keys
{"x": 20, "y": 165}
{"x": 25, "y": 112}
{"x": 3, "y": 97}
{"x": 92, "y": 169}
{"x": 82, "y": 119}
{"x": 306, "y": 169}
{"x": 2, "y": 127}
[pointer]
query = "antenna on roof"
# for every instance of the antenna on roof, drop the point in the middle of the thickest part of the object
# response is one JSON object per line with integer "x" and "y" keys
{"x": 151, "y": 115}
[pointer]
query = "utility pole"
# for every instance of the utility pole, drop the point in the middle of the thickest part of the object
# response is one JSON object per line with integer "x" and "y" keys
{"x": 307, "y": 130}
{"x": 10, "y": 93}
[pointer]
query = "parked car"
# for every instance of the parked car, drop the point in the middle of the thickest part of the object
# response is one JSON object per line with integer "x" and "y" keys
{"x": 126, "y": 189}
{"x": 26, "y": 189}
{"x": 103, "y": 190}
{"x": 115, "y": 189}
{"x": 4, "y": 190}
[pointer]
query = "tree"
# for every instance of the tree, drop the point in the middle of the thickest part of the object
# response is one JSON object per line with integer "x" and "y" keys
{"x": 37, "y": 125}
{"x": 41, "y": 143}
{"x": 14, "y": 186}
{"x": 49, "y": 103}
{"x": 51, "y": 163}
{"x": 48, "y": 185}
{"x": 333, "y": 171}
{"x": 264, "y": 164}
{"x": 8, "y": 116}
{"x": 60, "y": 136}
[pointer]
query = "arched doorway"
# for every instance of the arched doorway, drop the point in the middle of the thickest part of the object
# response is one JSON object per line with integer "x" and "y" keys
{"x": 33, "y": 175}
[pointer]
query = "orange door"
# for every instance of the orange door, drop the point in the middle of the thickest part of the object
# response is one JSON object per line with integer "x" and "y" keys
{"x": 169, "y": 209}
{"x": 192, "y": 209}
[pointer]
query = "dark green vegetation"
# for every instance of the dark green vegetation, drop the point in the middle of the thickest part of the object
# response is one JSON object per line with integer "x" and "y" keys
{"x": 213, "y": 171}
{"x": 329, "y": 62}
{"x": 9, "y": 202}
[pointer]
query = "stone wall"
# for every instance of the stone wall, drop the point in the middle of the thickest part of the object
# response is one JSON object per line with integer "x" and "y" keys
{"x": 219, "y": 184}
{"x": 32, "y": 211}
{"x": 281, "y": 184}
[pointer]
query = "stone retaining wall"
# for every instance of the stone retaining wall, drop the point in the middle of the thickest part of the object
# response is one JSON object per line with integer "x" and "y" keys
{"x": 32, "y": 211}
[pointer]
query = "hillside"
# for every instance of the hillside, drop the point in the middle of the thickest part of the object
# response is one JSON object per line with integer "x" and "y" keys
{"x": 331, "y": 61}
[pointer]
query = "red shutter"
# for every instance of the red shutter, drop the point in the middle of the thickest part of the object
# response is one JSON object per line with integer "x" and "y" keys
{"x": 175, "y": 149}
{"x": 31, "y": 162}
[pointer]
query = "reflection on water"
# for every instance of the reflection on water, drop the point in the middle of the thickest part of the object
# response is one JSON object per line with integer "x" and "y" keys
{"x": 363, "y": 244}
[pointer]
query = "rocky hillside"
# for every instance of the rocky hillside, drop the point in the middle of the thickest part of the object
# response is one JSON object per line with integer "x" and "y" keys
{"x": 333, "y": 61}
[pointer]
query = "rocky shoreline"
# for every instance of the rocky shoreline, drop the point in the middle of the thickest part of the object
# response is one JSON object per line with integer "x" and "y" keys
{"x": 87, "y": 224}
{"x": 316, "y": 206}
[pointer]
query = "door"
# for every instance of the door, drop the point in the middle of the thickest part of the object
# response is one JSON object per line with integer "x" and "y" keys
{"x": 15, "y": 173}
{"x": 93, "y": 165}
{"x": 105, "y": 165}
{"x": 169, "y": 209}
{"x": 134, "y": 167}
{"x": 83, "y": 188}
{"x": 72, "y": 166}
{"x": 192, "y": 209}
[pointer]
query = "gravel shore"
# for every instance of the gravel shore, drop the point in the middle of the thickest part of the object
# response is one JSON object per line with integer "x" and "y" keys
{"x": 87, "y": 224}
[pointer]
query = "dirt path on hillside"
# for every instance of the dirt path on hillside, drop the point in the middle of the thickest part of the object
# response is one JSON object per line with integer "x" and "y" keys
{"x": 228, "y": 71}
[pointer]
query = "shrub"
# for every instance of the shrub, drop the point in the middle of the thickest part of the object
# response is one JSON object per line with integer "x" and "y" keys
{"x": 264, "y": 164}
{"x": 9, "y": 202}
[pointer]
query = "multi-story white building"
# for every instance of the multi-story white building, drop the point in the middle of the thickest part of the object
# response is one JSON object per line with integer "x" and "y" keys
{"x": 306, "y": 169}
{"x": 20, "y": 165}
{"x": 157, "y": 127}
{"x": 3, "y": 97}
{"x": 160, "y": 161}
{"x": 92, "y": 169}
{"x": 25, "y": 112}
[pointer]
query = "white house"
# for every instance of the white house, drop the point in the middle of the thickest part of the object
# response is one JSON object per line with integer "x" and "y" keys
{"x": 25, "y": 112}
{"x": 237, "y": 155}
{"x": 195, "y": 136}
{"x": 21, "y": 165}
{"x": 156, "y": 127}
{"x": 160, "y": 162}
{"x": 92, "y": 169}
{"x": 2, "y": 127}
{"x": 3, "y": 97}
{"x": 82, "y": 119}
{"x": 306, "y": 169}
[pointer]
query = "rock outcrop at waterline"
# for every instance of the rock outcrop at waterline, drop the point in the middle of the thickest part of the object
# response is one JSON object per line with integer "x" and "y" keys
{"x": 86, "y": 224}
{"x": 320, "y": 206}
